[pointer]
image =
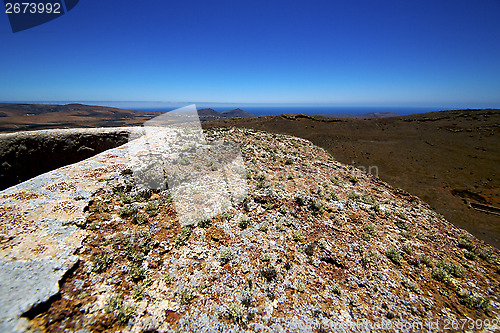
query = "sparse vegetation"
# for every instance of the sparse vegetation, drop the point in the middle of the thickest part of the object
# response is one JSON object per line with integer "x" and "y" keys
{"x": 470, "y": 255}
{"x": 264, "y": 227}
{"x": 473, "y": 302}
{"x": 138, "y": 272}
{"x": 465, "y": 242}
{"x": 168, "y": 278}
{"x": 124, "y": 312}
{"x": 368, "y": 199}
{"x": 369, "y": 230}
{"x": 402, "y": 225}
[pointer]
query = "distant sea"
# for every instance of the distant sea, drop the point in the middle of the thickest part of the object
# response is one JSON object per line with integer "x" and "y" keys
{"x": 310, "y": 110}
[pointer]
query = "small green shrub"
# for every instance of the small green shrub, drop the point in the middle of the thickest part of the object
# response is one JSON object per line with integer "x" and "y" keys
{"x": 441, "y": 275}
{"x": 337, "y": 290}
{"x": 226, "y": 216}
{"x": 235, "y": 313}
{"x": 126, "y": 211}
{"x": 225, "y": 254}
{"x": 138, "y": 272}
{"x": 403, "y": 215}
{"x": 473, "y": 302}
{"x": 139, "y": 218}
{"x": 470, "y": 255}
{"x": 465, "y": 242}
{"x": 269, "y": 273}
{"x": 368, "y": 199}
{"x": 153, "y": 207}
{"x": 353, "y": 196}
{"x": 297, "y": 235}
{"x": 184, "y": 235}
{"x": 402, "y": 225}
{"x": 353, "y": 179}
{"x": 451, "y": 268}
{"x": 370, "y": 229}
{"x": 244, "y": 222}
{"x": 138, "y": 293}
{"x": 411, "y": 285}
{"x": 394, "y": 255}
{"x": 407, "y": 248}
{"x": 100, "y": 262}
{"x": 168, "y": 278}
{"x": 114, "y": 302}
{"x": 335, "y": 180}
{"x": 264, "y": 227}
{"x": 427, "y": 261}
{"x": 317, "y": 206}
{"x": 332, "y": 197}
{"x": 185, "y": 295}
{"x": 487, "y": 256}
{"x": 137, "y": 245}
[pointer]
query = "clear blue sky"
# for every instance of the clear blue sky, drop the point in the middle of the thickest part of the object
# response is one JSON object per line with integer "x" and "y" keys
{"x": 378, "y": 52}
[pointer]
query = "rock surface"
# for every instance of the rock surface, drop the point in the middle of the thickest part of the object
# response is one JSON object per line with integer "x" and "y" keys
{"x": 25, "y": 155}
{"x": 315, "y": 246}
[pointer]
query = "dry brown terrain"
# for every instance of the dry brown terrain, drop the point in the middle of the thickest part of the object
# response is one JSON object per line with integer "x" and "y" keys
{"x": 446, "y": 158}
{"x": 25, "y": 117}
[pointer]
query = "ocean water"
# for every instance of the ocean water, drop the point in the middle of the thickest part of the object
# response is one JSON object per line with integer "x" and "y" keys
{"x": 310, "y": 110}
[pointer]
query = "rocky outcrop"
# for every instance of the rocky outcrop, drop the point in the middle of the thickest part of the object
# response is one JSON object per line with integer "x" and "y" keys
{"x": 25, "y": 155}
{"x": 315, "y": 246}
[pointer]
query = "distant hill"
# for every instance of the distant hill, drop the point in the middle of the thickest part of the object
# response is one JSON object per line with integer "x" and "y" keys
{"x": 237, "y": 113}
{"x": 372, "y": 115}
{"x": 210, "y": 114}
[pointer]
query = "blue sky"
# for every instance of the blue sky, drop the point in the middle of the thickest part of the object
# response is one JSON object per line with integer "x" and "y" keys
{"x": 442, "y": 53}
